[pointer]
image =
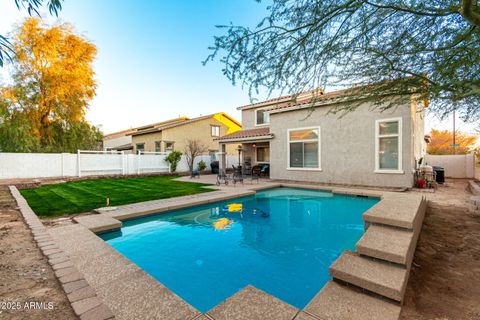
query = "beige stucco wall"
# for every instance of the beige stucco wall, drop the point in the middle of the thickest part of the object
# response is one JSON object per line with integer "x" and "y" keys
{"x": 198, "y": 130}
{"x": 347, "y": 146}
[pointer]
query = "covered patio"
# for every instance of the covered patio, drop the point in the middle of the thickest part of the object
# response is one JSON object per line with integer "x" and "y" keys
{"x": 253, "y": 147}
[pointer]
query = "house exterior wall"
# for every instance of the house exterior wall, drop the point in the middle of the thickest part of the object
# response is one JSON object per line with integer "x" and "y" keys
{"x": 113, "y": 143}
{"x": 418, "y": 129}
{"x": 148, "y": 139}
{"x": 347, "y": 146}
{"x": 248, "y": 118}
{"x": 197, "y": 130}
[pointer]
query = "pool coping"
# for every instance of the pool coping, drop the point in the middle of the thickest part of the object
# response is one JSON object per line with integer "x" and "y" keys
{"x": 355, "y": 289}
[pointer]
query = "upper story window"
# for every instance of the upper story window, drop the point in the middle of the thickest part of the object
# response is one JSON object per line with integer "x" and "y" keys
{"x": 215, "y": 131}
{"x": 261, "y": 117}
{"x": 304, "y": 149}
{"x": 388, "y": 146}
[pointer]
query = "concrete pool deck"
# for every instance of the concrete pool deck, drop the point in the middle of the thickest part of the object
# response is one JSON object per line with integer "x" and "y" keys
{"x": 367, "y": 284}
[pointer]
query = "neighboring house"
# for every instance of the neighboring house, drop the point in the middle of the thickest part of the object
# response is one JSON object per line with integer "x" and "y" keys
{"x": 302, "y": 141}
{"x": 174, "y": 134}
{"x": 118, "y": 141}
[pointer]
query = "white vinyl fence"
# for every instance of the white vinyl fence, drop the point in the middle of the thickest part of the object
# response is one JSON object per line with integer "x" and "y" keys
{"x": 456, "y": 166}
{"x": 87, "y": 163}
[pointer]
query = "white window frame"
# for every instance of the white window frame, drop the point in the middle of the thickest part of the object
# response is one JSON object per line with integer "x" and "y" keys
{"x": 399, "y": 170}
{"x": 214, "y": 127}
{"x": 263, "y": 124}
{"x": 307, "y": 140}
{"x": 256, "y": 159}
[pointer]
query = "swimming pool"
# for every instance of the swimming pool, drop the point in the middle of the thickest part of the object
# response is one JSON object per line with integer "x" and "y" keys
{"x": 281, "y": 241}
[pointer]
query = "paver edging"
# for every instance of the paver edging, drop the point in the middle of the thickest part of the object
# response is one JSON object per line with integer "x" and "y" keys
{"x": 70, "y": 279}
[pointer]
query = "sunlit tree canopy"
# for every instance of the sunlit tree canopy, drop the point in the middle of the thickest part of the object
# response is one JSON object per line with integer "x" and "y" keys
{"x": 32, "y": 7}
{"x": 53, "y": 83}
{"x": 442, "y": 142}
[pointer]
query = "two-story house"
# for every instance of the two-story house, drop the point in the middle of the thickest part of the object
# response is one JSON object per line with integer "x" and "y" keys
{"x": 174, "y": 134}
{"x": 301, "y": 140}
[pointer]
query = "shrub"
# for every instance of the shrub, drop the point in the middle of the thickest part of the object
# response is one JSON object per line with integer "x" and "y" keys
{"x": 173, "y": 159}
{"x": 201, "y": 165}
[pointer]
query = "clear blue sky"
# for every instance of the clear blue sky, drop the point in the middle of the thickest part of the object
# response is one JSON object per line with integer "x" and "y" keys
{"x": 149, "y": 57}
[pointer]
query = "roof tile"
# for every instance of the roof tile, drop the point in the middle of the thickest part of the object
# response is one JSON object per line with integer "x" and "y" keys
{"x": 249, "y": 133}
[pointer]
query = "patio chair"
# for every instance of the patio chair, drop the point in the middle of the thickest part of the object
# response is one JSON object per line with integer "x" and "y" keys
{"x": 237, "y": 174}
{"x": 223, "y": 177}
{"x": 262, "y": 170}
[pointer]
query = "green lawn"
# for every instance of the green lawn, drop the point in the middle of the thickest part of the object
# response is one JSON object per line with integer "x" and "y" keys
{"x": 86, "y": 195}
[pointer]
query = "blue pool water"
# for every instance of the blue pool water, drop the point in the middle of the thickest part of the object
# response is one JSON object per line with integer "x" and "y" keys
{"x": 281, "y": 241}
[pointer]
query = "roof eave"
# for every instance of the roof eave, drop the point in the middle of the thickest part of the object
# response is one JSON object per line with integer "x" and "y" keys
{"x": 265, "y": 137}
{"x": 265, "y": 104}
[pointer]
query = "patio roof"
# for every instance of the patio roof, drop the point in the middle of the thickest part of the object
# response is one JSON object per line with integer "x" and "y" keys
{"x": 247, "y": 135}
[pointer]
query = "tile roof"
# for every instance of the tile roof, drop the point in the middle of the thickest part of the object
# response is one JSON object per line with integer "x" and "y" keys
{"x": 181, "y": 122}
{"x": 319, "y": 99}
{"x": 292, "y": 98}
{"x": 249, "y": 133}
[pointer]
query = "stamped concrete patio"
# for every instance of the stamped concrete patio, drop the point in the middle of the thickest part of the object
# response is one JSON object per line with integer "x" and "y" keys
{"x": 367, "y": 284}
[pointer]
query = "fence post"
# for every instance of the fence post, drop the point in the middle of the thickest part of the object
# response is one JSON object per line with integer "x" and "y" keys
{"x": 138, "y": 161}
{"x": 122, "y": 155}
{"x": 78, "y": 164}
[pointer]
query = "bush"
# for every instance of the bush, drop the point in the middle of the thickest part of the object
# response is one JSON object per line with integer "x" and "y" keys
{"x": 173, "y": 159}
{"x": 201, "y": 165}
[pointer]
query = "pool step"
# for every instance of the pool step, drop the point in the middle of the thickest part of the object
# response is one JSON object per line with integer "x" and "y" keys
{"x": 339, "y": 301}
{"x": 388, "y": 243}
{"x": 384, "y": 278}
{"x": 397, "y": 210}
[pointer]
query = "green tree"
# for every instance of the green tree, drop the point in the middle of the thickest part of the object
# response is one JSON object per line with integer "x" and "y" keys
{"x": 201, "y": 165}
{"x": 380, "y": 47}
{"x": 15, "y": 131}
{"x": 32, "y": 7}
{"x": 173, "y": 159}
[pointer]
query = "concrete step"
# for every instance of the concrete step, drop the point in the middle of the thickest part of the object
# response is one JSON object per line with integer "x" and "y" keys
{"x": 342, "y": 302}
{"x": 398, "y": 210}
{"x": 388, "y": 243}
{"x": 384, "y": 278}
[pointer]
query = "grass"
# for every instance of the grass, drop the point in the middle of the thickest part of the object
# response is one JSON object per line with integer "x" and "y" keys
{"x": 86, "y": 195}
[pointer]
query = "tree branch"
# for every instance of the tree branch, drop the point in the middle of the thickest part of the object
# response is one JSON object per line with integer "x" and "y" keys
{"x": 431, "y": 13}
{"x": 469, "y": 10}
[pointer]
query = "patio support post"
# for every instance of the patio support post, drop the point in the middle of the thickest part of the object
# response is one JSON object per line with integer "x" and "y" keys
{"x": 223, "y": 157}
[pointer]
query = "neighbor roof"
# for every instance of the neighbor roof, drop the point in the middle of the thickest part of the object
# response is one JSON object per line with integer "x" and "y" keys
{"x": 118, "y": 134}
{"x": 171, "y": 124}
